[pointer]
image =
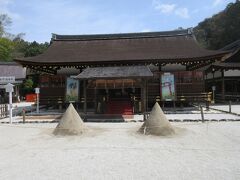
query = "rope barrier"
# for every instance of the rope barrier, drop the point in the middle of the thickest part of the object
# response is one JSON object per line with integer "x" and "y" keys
{"x": 167, "y": 148}
{"x": 21, "y": 125}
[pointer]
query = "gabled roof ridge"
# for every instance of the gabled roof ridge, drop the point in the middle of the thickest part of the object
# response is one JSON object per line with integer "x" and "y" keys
{"x": 174, "y": 33}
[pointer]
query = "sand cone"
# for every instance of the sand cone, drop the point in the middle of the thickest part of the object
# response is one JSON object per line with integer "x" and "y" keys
{"x": 157, "y": 123}
{"x": 70, "y": 123}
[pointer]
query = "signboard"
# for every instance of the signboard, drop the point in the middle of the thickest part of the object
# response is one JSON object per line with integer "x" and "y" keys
{"x": 167, "y": 87}
{"x": 37, "y": 90}
{"x": 9, "y": 88}
{"x": 7, "y": 79}
{"x": 214, "y": 88}
{"x": 72, "y": 90}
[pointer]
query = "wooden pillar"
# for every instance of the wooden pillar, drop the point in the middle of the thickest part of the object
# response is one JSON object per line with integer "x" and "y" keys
{"x": 159, "y": 80}
{"x": 223, "y": 86}
{"x": 214, "y": 84}
{"x": 85, "y": 96}
{"x": 95, "y": 99}
{"x": 146, "y": 106}
{"x": 235, "y": 87}
{"x": 143, "y": 96}
{"x": 204, "y": 80}
{"x": 213, "y": 73}
{"x": 159, "y": 67}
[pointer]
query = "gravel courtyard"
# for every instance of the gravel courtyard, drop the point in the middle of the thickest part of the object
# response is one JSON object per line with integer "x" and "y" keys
{"x": 115, "y": 151}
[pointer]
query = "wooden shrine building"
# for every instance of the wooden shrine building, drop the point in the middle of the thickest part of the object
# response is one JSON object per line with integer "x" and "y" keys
{"x": 122, "y": 73}
{"x": 225, "y": 76}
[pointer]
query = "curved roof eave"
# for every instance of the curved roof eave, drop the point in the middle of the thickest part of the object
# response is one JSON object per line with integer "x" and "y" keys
{"x": 156, "y": 47}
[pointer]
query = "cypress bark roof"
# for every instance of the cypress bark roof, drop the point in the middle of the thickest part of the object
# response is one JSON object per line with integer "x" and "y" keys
{"x": 234, "y": 55}
{"x": 12, "y": 69}
{"x": 232, "y": 46}
{"x": 223, "y": 66}
{"x": 226, "y": 65}
{"x": 115, "y": 72}
{"x": 231, "y": 61}
{"x": 171, "y": 46}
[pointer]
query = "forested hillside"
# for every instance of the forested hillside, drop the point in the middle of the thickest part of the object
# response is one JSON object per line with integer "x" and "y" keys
{"x": 221, "y": 29}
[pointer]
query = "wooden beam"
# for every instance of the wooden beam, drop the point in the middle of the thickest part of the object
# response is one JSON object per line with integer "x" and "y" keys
{"x": 85, "y": 96}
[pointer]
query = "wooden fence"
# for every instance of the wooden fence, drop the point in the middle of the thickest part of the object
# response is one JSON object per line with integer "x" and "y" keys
{"x": 3, "y": 110}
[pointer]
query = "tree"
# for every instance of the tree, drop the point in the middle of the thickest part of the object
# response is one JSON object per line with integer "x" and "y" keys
{"x": 6, "y": 45}
{"x": 26, "y": 87}
{"x": 12, "y": 46}
{"x": 34, "y": 48}
{"x": 6, "y": 48}
{"x": 4, "y": 22}
{"x": 221, "y": 29}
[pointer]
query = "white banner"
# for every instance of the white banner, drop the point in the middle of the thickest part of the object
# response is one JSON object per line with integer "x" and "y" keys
{"x": 7, "y": 79}
{"x": 168, "y": 87}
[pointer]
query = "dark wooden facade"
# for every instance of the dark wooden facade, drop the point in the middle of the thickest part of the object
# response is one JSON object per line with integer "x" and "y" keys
{"x": 188, "y": 83}
{"x": 156, "y": 49}
{"x": 225, "y": 75}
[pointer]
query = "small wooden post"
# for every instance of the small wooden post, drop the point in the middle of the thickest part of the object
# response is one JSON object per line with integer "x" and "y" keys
{"x": 208, "y": 100}
{"x": 230, "y": 106}
{"x": 207, "y": 105}
{"x": 202, "y": 115}
{"x": 60, "y": 104}
{"x": 5, "y": 111}
{"x": 23, "y": 114}
{"x": 174, "y": 106}
{"x": 1, "y": 110}
{"x": 144, "y": 116}
{"x": 182, "y": 98}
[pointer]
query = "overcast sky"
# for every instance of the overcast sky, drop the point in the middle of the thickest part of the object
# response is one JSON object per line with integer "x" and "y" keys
{"x": 39, "y": 18}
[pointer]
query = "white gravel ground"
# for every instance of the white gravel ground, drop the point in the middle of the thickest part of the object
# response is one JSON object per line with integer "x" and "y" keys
{"x": 115, "y": 151}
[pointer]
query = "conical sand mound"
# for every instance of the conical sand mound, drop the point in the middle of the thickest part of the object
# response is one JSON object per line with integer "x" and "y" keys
{"x": 70, "y": 123}
{"x": 157, "y": 123}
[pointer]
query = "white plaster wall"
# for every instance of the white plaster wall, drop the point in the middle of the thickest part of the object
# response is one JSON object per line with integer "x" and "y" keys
{"x": 209, "y": 76}
{"x": 232, "y": 73}
{"x": 217, "y": 74}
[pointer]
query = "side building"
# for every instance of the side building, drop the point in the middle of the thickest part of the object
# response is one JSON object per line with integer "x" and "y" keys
{"x": 224, "y": 77}
{"x": 11, "y": 72}
{"x": 122, "y": 73}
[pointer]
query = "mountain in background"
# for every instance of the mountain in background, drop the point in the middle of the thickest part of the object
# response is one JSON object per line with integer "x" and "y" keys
{"x": 221, "y": 29}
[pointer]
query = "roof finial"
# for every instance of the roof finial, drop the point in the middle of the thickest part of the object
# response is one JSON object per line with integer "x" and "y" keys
{"x": 54, "y": 36}
{"x": 190, "y": 30}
